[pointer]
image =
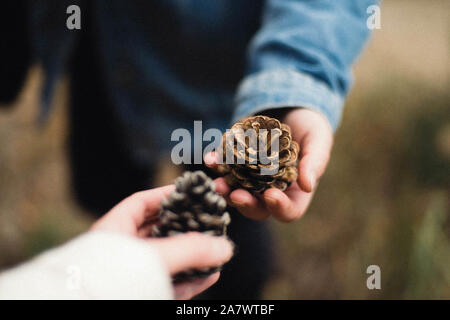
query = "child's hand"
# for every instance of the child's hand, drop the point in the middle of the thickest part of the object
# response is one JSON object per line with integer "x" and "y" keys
{"x": 136, "y": 215}
{"x": 315, "y": 137}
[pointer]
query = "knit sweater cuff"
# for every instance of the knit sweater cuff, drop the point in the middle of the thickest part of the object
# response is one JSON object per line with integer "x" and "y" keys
{"x": 96, "y": 265}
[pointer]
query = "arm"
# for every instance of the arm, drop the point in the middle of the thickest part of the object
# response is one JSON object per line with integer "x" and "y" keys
{"x": 96, "y": 265}
{"x": 117, "y": 260}
{"x": 299, "y": 69}
{"x": 302, "y": 56}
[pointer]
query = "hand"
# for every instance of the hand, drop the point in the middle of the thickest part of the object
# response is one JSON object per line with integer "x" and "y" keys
{"x": 136, "y": 215}
{"x": 314, "y": 135}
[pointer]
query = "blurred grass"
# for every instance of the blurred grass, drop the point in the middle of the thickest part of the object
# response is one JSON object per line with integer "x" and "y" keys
{"x": 384, "y": 199}
{"x": 36, "y": 206}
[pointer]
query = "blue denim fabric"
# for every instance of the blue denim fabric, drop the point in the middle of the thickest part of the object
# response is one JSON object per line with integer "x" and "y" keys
{"x": 302, "y": 56}
{"x": 168, "y": 63}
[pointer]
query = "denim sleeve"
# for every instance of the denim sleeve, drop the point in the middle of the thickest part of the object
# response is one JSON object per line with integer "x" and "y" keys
{"x": 302, "y": 56}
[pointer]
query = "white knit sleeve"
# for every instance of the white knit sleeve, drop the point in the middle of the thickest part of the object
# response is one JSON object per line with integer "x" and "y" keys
{"x": 96, "y": 265}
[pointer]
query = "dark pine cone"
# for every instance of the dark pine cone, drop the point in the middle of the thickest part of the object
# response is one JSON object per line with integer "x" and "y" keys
{"x": 247, "y": 173}
{"x": 193, "y": 206}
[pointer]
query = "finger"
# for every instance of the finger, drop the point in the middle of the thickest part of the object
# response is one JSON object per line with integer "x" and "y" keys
{"x": 279, "y": 204}
{"x": 248, "y": 205}
{"x": 289, "y": 205}
{"x": 301, "y": 201}
{"x": 133, "y": 212}
{"x": 144, "y": 204}
{"x": 222, "y": 187}
{"x": 188, "y": 290}
{"x": 315, "y": 153}
{"x": 192, "y": 251}
{"x": 211, "y": 159}
{"x": 145, "y": 230}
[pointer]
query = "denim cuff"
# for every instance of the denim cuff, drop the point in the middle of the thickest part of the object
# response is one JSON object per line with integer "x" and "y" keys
{"x": 281, "y": 88}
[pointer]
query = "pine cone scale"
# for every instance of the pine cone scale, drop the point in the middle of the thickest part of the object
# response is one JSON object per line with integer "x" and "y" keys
{"x": 280, "y": 168}
{"x": 193, "y": 206}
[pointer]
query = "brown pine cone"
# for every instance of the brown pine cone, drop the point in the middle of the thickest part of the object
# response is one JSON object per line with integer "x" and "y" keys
{"x": 193, "y": 206}
{"x": 246, "y": 169}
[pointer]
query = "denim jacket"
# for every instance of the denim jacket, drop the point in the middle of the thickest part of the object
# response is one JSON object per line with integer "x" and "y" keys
{"x": 168, "y": 63}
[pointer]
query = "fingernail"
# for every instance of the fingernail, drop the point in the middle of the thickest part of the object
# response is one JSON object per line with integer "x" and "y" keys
{"x": 231, "y": 243}
{"x": 239, "y": 204}
{"x": 223, "y": 247}
{"x": 271, "y": 201}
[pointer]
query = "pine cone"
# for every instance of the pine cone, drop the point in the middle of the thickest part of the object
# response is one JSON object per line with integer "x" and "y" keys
{"x": 193, "y": 206}
{"x": 246, "y": 169}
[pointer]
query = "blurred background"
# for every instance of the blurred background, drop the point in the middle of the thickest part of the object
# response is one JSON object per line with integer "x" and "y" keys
{"x": 384, "y": 199}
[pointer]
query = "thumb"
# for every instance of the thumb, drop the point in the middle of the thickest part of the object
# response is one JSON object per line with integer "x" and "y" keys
{"x": 192, "y": 251}
{"x": 315, "y": 153}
